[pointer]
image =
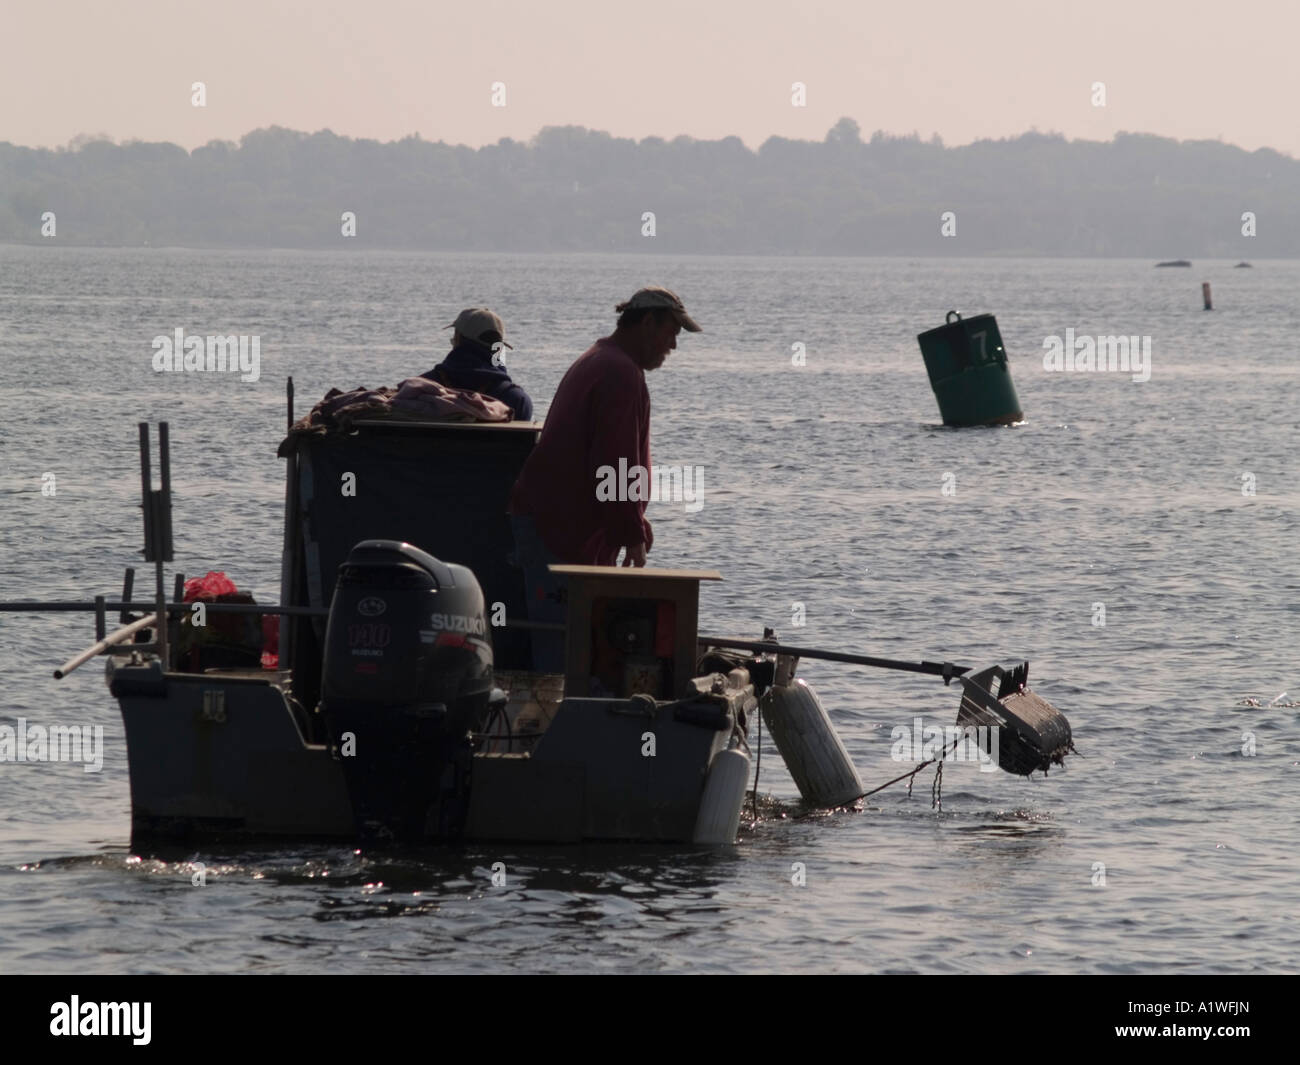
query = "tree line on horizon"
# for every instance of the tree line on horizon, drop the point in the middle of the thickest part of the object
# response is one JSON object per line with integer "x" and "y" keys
{"x": 574, "y": 189}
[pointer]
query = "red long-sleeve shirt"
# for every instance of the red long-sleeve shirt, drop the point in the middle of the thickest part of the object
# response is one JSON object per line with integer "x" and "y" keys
{"x": 600, "y": 414}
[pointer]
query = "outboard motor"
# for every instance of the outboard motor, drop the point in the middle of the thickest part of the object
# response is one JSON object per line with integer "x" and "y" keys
{"x": 407, "y": 676}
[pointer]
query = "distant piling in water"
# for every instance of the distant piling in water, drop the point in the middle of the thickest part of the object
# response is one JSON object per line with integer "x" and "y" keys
{"x": 968, "y": 372}
{"x": 1205, "y": 295}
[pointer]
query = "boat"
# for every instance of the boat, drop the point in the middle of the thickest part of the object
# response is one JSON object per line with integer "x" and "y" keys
{"x": 1176, "y": 262}
{"x": 402, "y": 706}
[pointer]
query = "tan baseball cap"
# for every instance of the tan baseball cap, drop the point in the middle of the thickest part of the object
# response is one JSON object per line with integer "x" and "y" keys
{"x": 473, "y": 322}
{"x": 658, "y": 296}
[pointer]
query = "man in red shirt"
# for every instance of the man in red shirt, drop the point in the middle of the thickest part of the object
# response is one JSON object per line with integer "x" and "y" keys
{"x": 600, "y": 415}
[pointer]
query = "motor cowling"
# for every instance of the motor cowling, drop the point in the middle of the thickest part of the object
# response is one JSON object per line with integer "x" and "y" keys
{"x": 407, "y": 675}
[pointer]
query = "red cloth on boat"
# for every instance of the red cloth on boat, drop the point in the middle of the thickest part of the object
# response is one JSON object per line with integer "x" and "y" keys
{"x": 208, "y": 587}
{"x": 600, "y": 414}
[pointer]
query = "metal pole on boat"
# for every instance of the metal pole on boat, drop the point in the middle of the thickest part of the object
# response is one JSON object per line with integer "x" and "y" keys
{"x": 103, "y": 645}
{"x": 160, "y": 592}
{"x": 938, "y": 669}
{"x": 128, "y": 581}
{"x": 173, "y": 618}
{"x": 157, "y": 507}
{"x": 288, "y": 550}
{"x": 32, "y": 606}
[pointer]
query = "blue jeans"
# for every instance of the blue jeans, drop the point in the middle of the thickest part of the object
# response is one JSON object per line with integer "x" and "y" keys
{"x": 544, "y": 594}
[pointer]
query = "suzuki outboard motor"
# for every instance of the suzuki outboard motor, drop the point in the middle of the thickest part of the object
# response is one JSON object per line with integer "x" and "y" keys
{"x": 407, "y": 676}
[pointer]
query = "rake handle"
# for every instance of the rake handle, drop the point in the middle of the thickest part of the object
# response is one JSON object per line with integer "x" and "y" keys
{"x": 938, "y": 669}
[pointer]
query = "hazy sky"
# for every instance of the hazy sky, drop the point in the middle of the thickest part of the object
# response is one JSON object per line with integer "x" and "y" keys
{"x": 388, "y": 68}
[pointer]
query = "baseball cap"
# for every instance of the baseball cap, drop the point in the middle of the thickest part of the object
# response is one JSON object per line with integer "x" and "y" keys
{"x": 473, "y": 322}
{"x": 657, "y": 296}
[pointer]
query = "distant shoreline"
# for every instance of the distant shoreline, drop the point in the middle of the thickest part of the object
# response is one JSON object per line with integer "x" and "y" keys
{"x": 576, "y": 190}
{"x": 62, "y": 244}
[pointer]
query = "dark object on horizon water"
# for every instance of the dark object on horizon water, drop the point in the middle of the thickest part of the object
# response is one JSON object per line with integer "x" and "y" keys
{"x": 1176, "y": 262}
{"x": 1243, "y": 266}
{"x": 968, "y": 372}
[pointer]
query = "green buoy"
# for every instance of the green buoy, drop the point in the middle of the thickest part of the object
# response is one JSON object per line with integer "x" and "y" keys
{"x": 968, "y": 372}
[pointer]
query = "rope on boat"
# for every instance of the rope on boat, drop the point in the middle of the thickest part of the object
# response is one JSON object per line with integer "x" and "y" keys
{"x": 936, "y": 788}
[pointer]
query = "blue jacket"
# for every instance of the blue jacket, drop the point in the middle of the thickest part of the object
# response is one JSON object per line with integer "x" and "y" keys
{"x": 470, "y": 366}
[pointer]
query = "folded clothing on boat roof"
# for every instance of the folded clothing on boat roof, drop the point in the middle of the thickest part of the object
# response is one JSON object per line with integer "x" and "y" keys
{"x": 415, "y": 399}
{"x": 440, "y": 402}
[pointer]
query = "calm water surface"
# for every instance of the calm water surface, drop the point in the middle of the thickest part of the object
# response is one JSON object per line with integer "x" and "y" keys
{"x": 823, "y": 487}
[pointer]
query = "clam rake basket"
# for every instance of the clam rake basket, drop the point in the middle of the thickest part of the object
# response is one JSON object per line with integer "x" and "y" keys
{"x": 1032, "y": 733}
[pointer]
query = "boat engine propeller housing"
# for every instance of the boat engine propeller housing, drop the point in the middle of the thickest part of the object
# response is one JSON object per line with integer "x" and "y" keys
{"x": 407, "y": 676}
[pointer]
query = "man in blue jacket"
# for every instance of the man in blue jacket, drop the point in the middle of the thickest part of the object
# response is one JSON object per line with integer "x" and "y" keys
{"x": 475, "y": 361}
